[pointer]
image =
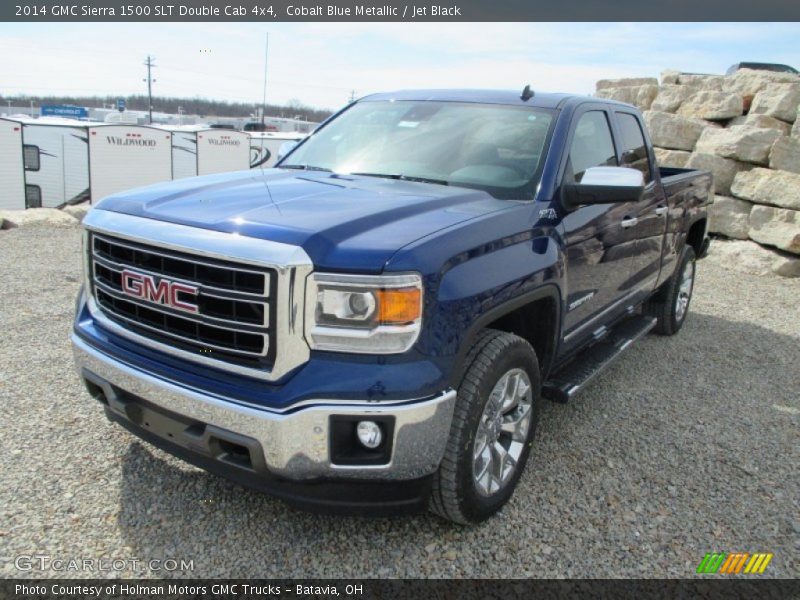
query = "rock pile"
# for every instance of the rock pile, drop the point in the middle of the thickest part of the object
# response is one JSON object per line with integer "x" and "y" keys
{"x": 745, "y": 129}
{"x": 69, "y": 216}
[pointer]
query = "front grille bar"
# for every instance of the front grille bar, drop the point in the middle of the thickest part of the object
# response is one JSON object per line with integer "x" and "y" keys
{"x": 192, "y": 262}
{"x": 167, "y": 333}
{"x": 245, "y": 333}
{"x": 268, "y": 274}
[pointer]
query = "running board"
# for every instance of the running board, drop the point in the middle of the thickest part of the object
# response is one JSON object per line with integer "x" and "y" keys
{"x": 577, "y": 373}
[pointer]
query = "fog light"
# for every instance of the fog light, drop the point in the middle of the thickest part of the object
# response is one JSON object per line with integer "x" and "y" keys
{"x": 369, "y": 434}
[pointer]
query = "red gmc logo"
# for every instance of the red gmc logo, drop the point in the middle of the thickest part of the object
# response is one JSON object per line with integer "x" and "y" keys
{"x": 161, "y": 291}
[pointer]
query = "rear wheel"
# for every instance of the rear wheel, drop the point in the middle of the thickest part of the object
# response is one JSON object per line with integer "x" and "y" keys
{"x": 671, "y": 305}
{"x": 493, "y": 425}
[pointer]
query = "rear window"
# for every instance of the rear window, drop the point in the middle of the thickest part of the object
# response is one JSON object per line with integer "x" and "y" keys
{"x": 634, "y": 149}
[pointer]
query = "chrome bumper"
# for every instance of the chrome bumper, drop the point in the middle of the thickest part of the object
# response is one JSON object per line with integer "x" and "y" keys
{"x": 295, "y": 445}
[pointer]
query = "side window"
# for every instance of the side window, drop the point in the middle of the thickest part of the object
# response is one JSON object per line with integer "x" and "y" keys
{"x": 633, "y": 146}
{"x": 30, "y": 157}
{"x": 33, "y": 196}
{"x": 592, "y": 145}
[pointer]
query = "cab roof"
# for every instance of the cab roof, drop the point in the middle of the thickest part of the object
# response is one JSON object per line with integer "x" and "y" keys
{"x": 539, "y": 100}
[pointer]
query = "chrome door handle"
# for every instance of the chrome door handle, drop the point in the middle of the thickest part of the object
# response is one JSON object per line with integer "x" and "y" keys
{"x": 629, "y": 222}
{"x": 661, "y": 210}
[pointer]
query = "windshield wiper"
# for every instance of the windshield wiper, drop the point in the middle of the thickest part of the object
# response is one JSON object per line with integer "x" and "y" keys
{"x": 305, "y": 168}
{"x": 404, "y": 177}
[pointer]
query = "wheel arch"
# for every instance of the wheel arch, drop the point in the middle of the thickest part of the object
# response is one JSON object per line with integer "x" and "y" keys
{"x": 515, "y": 316}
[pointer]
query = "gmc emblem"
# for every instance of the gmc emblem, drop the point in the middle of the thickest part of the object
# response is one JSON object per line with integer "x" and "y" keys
{"x": 162, "y": 291}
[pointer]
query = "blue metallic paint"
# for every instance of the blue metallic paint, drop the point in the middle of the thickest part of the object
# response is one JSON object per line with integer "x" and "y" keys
{"x": 476, "y": 255}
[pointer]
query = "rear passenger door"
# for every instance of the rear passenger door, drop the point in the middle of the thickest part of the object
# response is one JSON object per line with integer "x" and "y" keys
{"x": 598, "y": 245}
{"x": 647, "y": 219}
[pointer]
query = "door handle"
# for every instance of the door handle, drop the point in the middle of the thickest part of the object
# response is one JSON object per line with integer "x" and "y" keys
{"x": 629, "y": 222}
{"x": 661, "y": 210}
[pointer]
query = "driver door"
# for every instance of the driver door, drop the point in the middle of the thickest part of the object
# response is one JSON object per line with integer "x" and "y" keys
{"x": 599, "y": 246}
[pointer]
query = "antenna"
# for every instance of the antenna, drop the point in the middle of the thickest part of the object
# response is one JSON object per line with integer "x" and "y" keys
{"x": 264, "y": 97}
{"x": 527, "y": 93}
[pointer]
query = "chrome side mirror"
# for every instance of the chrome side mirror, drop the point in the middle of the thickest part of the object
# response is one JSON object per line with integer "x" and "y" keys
{"x": 604, "y": 185}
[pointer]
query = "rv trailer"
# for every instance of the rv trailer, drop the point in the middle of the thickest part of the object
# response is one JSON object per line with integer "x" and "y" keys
{"x": 122, "y": 157}
{"x": 201, "y": 150}
{"x": 56, "y": 161}
{"x": 12, "y": 176}
{"x": 50, "y": 156}
{"x": 265, "y": 146}
{"x": 221, "y": 150}
{"x": 184, "y": 149}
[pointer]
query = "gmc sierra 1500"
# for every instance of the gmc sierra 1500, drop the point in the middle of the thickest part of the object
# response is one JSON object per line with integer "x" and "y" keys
{"x": 370, "y": 326}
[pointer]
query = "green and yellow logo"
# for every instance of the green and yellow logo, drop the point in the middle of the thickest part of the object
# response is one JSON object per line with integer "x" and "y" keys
{"x": 734, "y": 563}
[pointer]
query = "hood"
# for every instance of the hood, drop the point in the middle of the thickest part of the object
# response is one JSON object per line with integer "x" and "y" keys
{"x": 343, "y": 222}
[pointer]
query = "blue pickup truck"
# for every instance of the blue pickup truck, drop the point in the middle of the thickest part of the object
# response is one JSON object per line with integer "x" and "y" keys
{"x": 370, "y": 326}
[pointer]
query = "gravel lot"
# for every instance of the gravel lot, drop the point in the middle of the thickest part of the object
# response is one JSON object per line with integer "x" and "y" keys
{"x": 688, "y": 445}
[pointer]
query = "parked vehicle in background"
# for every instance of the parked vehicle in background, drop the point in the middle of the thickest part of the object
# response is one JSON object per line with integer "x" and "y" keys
{"x": 12, "y": 175}
{"x": 370, "y": 326}
{"x": 200, "y": 150}
{"x": 266, "y": 147}
{"x": 122, "y": 157}
{"x": 758, "y": 66}
{"x": 50, "y": 155}
{"x": 259, "y": 126}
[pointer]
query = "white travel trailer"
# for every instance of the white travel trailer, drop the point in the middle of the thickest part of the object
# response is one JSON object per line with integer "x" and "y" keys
{"x": 12, "y": 176}
{"x": 56, "y": 161}
{"x": 221, "y": 150}
{"x": 184, "y": 149}
{"x": 199, "y": 150}
{"x": 122, "y": 157}
{"x": 265, "y": 146}
{"x": 50, "y": 156}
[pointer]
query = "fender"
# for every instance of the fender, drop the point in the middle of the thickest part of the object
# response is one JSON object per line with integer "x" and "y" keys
{"x": 548, "y": 290}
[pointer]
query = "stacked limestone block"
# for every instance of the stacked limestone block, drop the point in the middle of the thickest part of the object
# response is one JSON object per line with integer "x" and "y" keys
{"x": 745, "y": 129}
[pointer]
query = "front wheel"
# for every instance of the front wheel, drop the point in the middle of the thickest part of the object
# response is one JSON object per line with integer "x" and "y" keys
{"x": 493, "y": 424}
{"x": 671, "y": 305}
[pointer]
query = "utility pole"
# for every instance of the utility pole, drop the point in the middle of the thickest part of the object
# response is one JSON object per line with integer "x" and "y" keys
{"x": 180, "y": 115}
{"x": 149, "y": 63}
{"x": 352, "y": 95}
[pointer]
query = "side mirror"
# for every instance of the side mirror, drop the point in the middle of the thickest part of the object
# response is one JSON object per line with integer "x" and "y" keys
{"x": 285, "y": 148}
{"x": 604, "y": 185}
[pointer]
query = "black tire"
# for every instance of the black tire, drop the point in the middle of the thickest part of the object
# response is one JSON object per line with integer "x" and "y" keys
{"x": 664, "y": 305}
{"x": 456, "y": 495}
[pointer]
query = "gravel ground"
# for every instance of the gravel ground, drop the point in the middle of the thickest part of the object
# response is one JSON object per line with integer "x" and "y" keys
{"x": 687, "y": 445}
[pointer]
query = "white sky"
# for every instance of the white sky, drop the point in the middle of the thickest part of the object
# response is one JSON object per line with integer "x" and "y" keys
{"x": 320, "y": 63}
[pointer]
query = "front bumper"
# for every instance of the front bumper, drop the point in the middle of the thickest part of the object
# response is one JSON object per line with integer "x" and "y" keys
{"x": 292, "y": 446}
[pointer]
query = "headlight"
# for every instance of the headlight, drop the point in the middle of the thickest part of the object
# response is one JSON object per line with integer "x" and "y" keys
{"x": 371, "y": 314}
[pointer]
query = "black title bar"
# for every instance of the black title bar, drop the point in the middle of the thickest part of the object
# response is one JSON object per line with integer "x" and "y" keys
{"x": 400, "y": 10}
{"x": 711, "y": 588}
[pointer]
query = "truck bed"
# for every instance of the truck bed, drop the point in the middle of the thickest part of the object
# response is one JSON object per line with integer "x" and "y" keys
{"x": 674, "y": 179}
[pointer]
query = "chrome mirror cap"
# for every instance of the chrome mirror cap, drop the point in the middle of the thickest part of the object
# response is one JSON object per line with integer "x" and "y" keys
{"x": 613, "y": 176}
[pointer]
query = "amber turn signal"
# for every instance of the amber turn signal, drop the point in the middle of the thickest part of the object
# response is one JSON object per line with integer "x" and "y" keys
{"x": 399, "y": 306}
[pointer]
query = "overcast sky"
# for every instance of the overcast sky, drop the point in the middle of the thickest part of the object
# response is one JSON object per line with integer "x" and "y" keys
{"x": 320, "y": 63}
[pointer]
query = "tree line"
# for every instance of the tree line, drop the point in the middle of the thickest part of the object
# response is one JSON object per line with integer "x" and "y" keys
{"x": 189, "y": 106}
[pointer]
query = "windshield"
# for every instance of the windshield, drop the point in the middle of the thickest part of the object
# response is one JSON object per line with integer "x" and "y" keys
{"x": 492, "y": 147}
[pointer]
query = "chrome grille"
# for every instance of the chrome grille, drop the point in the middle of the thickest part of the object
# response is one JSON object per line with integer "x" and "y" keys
{"x": 234, "y": 315}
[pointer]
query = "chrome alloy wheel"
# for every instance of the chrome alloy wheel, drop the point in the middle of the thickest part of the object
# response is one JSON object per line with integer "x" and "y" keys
{"x": 684, "y": 291}
{"x": 502, "y": 432}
